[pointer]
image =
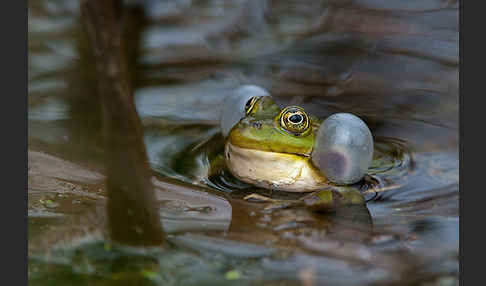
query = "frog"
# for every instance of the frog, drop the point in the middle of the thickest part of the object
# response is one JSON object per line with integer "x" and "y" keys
{"x": 287, "y": 149}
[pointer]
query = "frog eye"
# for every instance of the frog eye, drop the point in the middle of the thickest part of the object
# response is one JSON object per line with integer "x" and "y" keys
{"x": 236, "y": 105}
{"x": 343, "y": 148}
{"x": 295, "y": 120}
{"x": 250, "y": 104}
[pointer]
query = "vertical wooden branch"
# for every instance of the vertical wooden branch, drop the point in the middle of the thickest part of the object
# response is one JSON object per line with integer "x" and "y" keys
{"x": 133, "y": 214}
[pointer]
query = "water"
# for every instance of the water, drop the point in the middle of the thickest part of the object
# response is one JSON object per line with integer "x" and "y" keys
{"x": 394, "y": 64}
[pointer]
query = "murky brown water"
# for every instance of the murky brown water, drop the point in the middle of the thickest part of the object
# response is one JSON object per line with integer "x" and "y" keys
{"x": 394, "y": 63}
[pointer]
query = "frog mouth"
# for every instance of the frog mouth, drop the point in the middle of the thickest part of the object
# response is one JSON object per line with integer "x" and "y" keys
{"x": 273, "y": 170}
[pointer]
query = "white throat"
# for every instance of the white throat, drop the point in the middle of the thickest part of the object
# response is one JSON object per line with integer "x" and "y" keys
{"x": 271, "y": 170}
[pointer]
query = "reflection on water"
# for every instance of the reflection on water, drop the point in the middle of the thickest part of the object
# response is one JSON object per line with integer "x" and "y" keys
{"x": 393, "y": 63}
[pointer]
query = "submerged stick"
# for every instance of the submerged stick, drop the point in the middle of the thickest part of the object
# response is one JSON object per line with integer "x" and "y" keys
{"x": 133, "y": 215}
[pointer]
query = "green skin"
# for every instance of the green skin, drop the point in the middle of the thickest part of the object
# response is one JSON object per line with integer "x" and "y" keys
{"x": 261, "y": 130}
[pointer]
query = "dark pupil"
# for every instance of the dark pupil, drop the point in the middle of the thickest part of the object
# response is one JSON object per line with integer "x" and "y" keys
{"x": 296, "y": 118}
{"x": 248, "y": 103}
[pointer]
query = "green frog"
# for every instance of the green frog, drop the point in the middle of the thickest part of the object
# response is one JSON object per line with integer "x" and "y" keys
{"x": 287, "y": 149}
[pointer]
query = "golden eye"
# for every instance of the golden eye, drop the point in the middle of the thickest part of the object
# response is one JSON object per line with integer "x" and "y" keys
{"x": 295, "y": 120}
{"x": 250, "y": 104}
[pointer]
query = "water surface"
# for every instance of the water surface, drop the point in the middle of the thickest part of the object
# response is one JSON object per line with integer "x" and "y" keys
{"x": 395, "y": 64}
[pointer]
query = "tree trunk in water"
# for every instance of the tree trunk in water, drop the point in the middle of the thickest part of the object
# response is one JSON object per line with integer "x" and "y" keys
{"x": 133, "y": 213}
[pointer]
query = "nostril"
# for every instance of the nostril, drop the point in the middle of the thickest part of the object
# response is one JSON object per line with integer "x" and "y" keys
{"x": 257, "y": 125}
